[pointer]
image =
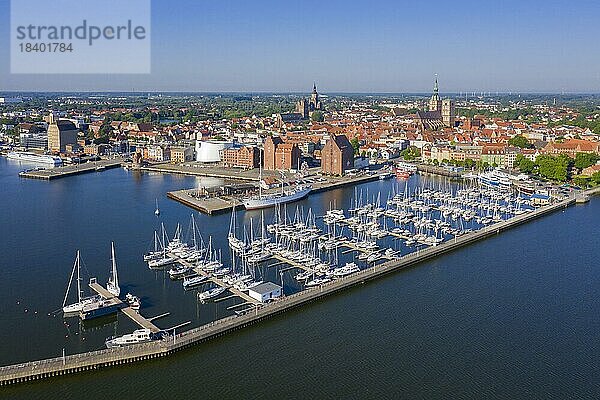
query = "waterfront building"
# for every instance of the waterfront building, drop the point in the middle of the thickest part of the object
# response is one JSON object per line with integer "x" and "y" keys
{"x": 337, "y": 156}
{"x": 247, "y": 157}
{"x": 493, "y": 155}
{"x": 181, "y": 154}
{"x": 265, "y": 292}
{"x": 157, "y": 153}
{"x": 34, "y": 140}
{"x": 210, "y": 151}
{"x": 279, "y": 155}
{"x": 61, "y": 133}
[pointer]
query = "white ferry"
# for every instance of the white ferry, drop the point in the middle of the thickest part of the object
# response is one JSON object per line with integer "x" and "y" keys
{"x": 35, "y": 158}
{"x": 495, "y": 178}
{"x": 408, "y": 167}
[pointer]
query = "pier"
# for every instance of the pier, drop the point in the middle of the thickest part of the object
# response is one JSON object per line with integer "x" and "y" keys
{"x": 111, "y": 357}
{"x": 215, "y": 280}
{"x": 222, "y": 204}
{"x": 70, "y": 170}
{"x": 128, "y": 311}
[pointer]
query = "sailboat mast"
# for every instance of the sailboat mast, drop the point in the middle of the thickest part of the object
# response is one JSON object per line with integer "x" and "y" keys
{"x": 75, "y": 265}
{"x": 115, "y": 278}
{"x": 79, "y": 293}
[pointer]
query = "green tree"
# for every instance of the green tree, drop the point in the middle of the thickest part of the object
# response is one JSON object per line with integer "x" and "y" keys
{"x": 317, "y": 116}
{"x": 584, "y": 160}
{"x": 524, "y": 164}
{"x": 582, "y": 181}
{"x": 596, "y": 178}
{"x": 553, "y": 168}
{"x": 355, "y": 145}
{"x": 519, "y": 141}
{"x": 469, "y": 163}
{"x": 411, "y": 153}
{"x": 105, "y": 129}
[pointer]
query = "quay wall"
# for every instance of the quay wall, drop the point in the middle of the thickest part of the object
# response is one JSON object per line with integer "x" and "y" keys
{"x": 432, "y": 169}
{"x": 111, "y": 357}
{"x": 70, "y": 170}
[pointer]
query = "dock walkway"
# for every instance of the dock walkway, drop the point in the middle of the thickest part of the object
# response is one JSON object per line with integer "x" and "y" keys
{"x": 128, "y": 311}
{"x": 70, "y": 170}
{"x": 103, "y": 358}
{"x": 217, "y": 281}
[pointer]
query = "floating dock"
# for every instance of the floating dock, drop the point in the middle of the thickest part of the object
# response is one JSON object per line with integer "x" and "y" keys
{"x": 255, "y": 313}
{"x": 70, "y": 170}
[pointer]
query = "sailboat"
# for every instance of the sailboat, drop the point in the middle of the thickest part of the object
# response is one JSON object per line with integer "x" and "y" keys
{"x": 286, "y": 196}
{"x": 81, "y": 301}
{"x": 113, "y": 281}
{"x": 157, "y": 210}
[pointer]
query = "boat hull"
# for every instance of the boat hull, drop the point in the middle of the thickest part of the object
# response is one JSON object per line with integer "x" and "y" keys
{"x": 35, "y": 158}
{"x": 256, "y": 204}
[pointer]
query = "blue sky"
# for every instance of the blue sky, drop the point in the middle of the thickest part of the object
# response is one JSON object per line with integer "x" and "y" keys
{"x": 351, "y": 46}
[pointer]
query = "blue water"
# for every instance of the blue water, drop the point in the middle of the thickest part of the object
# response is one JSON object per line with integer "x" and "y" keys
{"x": 515, "y": 316}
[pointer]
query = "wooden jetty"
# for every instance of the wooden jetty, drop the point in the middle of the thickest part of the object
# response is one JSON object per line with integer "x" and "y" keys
{"x": 130, "y": 312}
{"x": 216, "y": 281}
{"x": 110, "y": 357}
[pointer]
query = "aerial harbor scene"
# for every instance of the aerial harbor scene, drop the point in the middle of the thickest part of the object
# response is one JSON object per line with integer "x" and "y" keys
{"x": 275, "y": 205}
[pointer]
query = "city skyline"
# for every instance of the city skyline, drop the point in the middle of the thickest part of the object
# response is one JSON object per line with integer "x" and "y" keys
{"x": 351, "y": 48}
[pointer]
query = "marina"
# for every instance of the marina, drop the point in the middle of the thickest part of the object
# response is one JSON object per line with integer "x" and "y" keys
{"x": 438, "y": 224}
{"x": 103, "y": 358}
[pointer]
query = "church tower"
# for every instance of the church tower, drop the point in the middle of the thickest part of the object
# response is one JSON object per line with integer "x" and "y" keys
{"x": 448, "y": 113}
{"x": 315, "y": 103}
{"x": 435, "y": 103}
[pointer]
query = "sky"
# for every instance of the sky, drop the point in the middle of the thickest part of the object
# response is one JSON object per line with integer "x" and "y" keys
{"x": 377, "y": 46}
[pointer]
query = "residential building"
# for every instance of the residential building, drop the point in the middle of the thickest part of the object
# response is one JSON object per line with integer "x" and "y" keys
{"x": 572, "y": 146}
{"x": 181, "y": 154}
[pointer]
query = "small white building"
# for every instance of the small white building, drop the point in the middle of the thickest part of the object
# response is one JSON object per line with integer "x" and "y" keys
{"x": 265, "y": 292}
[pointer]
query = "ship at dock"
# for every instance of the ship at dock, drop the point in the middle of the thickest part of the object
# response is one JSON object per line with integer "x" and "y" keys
{"x": 270, "y": 200}
{"x": 35, "y": 158}
{"x": 286, "y": 196}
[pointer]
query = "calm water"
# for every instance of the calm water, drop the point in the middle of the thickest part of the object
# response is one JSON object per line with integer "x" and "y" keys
{"x": 516, "y": 316}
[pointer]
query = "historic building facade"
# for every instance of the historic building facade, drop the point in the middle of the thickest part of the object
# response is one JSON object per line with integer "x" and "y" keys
{"x": 440, "y": 113}
{"x": 337, "y": 156}
{"x": 279, "y": 155}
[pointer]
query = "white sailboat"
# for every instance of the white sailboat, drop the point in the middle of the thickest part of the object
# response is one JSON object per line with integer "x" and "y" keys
{"x": 113, "y": 281}
{"x": 81, "y": 301}
{"x": 157, "y": 210}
